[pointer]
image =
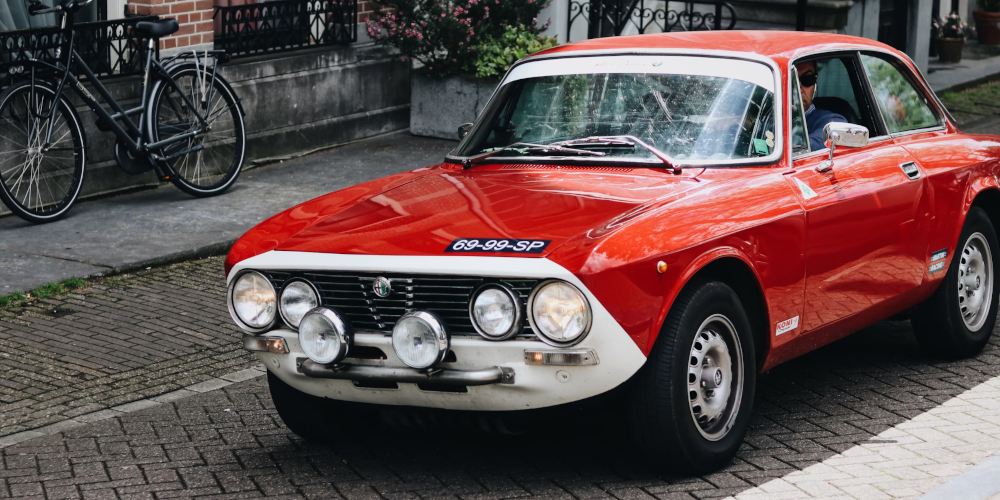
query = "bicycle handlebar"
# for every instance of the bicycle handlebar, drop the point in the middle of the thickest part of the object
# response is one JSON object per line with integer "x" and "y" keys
{"x": 37, "y": 8}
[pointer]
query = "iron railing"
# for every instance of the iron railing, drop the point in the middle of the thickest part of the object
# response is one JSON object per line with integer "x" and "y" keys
{"x": 284, "y": 25}
{"x": 110, "y": 48}
{"x": 618, "y": 17}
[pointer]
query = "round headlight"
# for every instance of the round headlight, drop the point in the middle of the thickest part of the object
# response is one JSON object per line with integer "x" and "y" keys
{"x": 560, "y": 313}
{"x": 252, "y": 301}
{"x": 420, "y": 340}
{"x": 297, "y": 298}
{"x": 495, "y": 312}
{"x": 324, "y": 336}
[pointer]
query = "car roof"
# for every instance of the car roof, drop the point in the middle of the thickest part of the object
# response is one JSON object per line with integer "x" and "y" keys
{"x": 777, "y": 45}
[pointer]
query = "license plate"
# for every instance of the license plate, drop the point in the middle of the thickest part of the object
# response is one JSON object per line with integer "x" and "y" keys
{"x": 497, "y": 245}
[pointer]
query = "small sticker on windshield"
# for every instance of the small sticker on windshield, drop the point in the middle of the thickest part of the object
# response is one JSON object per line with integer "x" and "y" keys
{"x": 497, "y": 245}
{"x": 760, "y": 146}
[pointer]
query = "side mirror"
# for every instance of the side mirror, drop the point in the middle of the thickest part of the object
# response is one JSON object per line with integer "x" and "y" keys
{"x": 463, "y": 130}
{"x": 848, "y": 135}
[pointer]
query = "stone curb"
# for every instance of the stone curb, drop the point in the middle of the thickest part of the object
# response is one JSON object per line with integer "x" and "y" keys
{"x": 213, "y": 250}
{"x": 142, "y": 404}
{"x": 980, "y": 483}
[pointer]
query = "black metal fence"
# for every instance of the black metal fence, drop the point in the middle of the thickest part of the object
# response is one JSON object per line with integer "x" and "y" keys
{"x": 108, "y": 47}
{"x": 616, "y": 17}
{"x": 285, "y": 25}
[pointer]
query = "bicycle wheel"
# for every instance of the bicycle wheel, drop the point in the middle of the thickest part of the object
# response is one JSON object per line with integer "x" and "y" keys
{"x": 39, "y": 184}
{"x": 214, "y": 168}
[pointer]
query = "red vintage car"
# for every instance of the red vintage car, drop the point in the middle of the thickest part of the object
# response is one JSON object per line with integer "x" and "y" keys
{"x": 655, "y": 219}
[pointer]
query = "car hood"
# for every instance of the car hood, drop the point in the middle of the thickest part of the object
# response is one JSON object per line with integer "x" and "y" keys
{"x": 424, "y": 216}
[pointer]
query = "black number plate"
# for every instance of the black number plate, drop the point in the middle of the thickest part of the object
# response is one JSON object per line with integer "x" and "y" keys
{"x": 497, "y": 245}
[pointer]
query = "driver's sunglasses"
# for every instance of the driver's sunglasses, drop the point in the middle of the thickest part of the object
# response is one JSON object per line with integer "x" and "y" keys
{"x": 808, "y": 79}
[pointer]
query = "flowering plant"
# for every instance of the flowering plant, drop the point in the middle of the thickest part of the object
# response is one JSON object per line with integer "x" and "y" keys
{"x": 443, "y": 35}
{"x": 951, "y": 27}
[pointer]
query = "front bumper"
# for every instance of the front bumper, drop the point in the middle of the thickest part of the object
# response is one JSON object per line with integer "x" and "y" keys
{"x": 474, "y": 380}
{"x": 441, "y": 376}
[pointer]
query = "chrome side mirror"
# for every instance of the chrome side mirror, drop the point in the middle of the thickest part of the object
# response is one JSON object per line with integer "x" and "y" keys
{"x": 463, "y": 130}
{"x": 848, "y": 135}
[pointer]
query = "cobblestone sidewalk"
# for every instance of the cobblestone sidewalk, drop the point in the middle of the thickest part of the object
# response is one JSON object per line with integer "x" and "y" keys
{"x": 115, "y": 342}
{"x": 818, "y": 422}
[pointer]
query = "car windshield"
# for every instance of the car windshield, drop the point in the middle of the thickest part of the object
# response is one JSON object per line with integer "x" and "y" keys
{"x": 690, "y": 108}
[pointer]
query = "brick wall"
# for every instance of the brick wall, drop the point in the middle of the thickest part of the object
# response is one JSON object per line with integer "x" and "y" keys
{"x": 194, "y": 16}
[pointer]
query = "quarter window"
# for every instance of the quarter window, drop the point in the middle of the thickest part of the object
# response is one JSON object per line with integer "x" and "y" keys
{"x": 902, "y": 106}
{"x": 800, "y": 137}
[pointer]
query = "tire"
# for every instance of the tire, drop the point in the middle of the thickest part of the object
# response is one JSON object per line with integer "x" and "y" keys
{"x": 663, "y": 418}
{"x": 39, "y": 186}
{"x": 214, "y": 169}
{"x": 948, "y": 324}
{"x": 315, "y": 419}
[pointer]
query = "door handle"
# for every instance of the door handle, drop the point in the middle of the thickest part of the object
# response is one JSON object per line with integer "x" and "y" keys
{"x": 911, "y": 170}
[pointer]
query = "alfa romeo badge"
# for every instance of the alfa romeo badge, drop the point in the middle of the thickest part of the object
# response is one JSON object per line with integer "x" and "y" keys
{"x": 382, "y": 286}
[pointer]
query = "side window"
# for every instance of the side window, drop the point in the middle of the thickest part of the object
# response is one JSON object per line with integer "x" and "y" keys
{"x": 902, "y": 106}
{"x": 800, "y": 136}
{"x": 834, "y": 90}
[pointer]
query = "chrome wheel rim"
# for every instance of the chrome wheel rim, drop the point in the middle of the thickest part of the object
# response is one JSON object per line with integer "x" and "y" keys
{"x": 975, "y": 281}
{"x": 715, "y": 377}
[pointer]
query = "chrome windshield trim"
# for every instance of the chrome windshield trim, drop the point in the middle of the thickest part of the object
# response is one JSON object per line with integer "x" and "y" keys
{"x": 779, "y": 105}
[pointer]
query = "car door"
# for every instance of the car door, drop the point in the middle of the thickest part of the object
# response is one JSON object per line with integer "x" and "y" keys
{"x": 863, "y": 241}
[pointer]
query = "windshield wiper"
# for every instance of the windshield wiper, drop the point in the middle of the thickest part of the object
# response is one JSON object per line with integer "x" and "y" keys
{"x": 622, "y": 140}
{"x": 525, "y": 147}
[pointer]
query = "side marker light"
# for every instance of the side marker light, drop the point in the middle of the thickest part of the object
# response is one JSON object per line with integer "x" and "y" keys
{"x": 265, "y": 344}
{"x": 661, "y": 267}
{"x": 562, "y": 357}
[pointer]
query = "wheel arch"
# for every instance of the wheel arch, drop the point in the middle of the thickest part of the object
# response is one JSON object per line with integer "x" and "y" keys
{"x": 987, "y": 198}
{"x": 729, "y": 266}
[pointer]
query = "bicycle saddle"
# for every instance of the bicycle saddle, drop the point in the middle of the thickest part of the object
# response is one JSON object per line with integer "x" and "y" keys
{"x": 157, "y": 29}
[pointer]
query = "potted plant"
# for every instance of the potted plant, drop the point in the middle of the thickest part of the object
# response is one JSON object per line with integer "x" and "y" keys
{"x": 459, "y": 49}
{"x": 988, "y": 22}
{"x": 949, "y": 37}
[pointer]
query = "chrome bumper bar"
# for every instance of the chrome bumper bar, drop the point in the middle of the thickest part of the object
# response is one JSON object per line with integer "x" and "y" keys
{"x": 441, "y": 376}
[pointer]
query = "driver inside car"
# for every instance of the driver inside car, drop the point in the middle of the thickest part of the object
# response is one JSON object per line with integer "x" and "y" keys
{"x": 816, "y": 118}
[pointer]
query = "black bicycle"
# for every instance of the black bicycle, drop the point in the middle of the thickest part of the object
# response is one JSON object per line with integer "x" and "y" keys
{"x": 189, "y": 129}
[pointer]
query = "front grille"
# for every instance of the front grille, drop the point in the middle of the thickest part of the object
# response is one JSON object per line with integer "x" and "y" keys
{"x": 447, "y": 296}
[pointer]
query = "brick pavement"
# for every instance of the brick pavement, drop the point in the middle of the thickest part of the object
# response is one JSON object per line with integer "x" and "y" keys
{"x": 120, "y": 340}
{"x": 818, "y": 423}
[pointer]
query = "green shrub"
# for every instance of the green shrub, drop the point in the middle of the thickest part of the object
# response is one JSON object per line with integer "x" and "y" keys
{"x": 990, "y": 5}
{"x": 444, "y": 34}
{"x": 496, "y": 55}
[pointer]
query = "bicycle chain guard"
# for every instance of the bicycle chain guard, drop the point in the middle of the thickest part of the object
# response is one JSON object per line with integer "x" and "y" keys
{"x": 130, "y": 163}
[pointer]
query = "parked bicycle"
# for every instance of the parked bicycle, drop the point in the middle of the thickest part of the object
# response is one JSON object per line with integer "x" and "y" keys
{"x": 189, "y": 129}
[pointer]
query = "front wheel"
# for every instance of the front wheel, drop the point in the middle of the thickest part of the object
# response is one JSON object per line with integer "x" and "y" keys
{"x": 690, "y": 405}
{"x": 39, "y": 182}
{"x": 957, "y": 321}
{"x": 209, "y": 163}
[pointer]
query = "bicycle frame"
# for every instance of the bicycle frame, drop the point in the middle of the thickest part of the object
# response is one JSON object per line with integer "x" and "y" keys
{"x": 137, "y": 145}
